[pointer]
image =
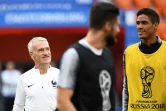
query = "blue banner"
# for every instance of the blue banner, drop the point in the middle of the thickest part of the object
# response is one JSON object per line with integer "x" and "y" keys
{"x": 74, "y": 17}
{"x": 46, "y": 13}
{"x": 73, "y": 2}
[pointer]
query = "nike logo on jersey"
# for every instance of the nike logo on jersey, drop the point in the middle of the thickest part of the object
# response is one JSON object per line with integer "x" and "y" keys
{"x": 30, "y": 85}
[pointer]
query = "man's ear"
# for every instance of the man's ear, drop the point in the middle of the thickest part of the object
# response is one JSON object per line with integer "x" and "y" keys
{"x": 108, "y": 26}
{"x": 156, "y": 25}
{"x": 31, "y": 54}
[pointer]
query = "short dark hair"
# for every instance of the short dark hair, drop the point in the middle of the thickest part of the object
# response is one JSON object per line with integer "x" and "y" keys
{"x": 101, "y": 13}
{"x": 152, "y": 14}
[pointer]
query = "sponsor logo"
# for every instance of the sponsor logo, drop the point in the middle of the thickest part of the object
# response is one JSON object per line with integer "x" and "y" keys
{"x": 30, "y": 85}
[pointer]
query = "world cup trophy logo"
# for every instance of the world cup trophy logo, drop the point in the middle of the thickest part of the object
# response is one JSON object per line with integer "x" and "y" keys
{"x": 147, "y": 75}
{"x": 105, "y": 85}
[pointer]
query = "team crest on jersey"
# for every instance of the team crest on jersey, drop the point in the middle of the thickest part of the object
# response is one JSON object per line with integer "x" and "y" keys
{"x": 147, "y": 75}
{"x": 54, "y": 83}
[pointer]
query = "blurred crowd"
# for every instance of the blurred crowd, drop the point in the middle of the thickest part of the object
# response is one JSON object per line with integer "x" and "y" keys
{"x": 8, "y": 79}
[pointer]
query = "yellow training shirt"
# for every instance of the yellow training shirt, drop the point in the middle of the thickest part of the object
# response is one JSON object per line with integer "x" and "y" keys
{"x": 146, "y": 79}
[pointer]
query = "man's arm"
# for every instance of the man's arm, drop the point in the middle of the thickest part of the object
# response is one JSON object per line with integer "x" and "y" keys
{"x": 67, "y": 80}
{"x": 64, "y": 99}
{"x": 20, "y": 97}
{"x": 125, "y": 88}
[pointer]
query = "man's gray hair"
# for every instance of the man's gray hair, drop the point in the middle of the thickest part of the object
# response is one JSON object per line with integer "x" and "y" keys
{"x": 33, "y": 40}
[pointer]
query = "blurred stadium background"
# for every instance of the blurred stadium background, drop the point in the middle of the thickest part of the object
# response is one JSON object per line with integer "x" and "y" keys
{"x": 63, "y": 22}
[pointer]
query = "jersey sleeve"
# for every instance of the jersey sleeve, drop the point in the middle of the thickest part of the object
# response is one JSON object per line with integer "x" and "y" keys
{"x": 20, "y": 97}
{"x": 125, "y": 88}
{"x": 68, "y": 69}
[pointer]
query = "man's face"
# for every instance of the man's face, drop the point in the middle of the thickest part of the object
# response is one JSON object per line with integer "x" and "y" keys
{"x": 112, "y": 33}
{"x": 41, "y": 54}
{"x": 145, "y": 27}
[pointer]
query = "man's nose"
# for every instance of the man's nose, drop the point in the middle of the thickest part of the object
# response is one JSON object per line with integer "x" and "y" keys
{"x": 139, "y": 26}
{"x": 45, "y": 52}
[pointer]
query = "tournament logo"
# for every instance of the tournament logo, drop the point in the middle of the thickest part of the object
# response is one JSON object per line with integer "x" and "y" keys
{"x": 147, "y": 75}
{"x": 105, "y": 85}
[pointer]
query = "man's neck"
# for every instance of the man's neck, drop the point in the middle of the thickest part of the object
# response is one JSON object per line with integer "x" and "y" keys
{"x": 150, "y": 41}
{"x": 42, "y": 68}
{"x": 95, "y": 39}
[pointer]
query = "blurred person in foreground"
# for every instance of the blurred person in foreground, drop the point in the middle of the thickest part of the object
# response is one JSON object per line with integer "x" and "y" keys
{"x": 36, "y": 89}
{"x": 1, "y": 104}
{"x": 9, "y": 78}
{"x": 145, "y": 67}
{"x": 86, "y": 80}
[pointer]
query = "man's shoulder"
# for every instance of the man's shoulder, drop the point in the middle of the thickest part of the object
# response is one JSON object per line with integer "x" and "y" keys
{"x": 27, "y": 73}
{"x": 132, "y": 46}
{"x": 3, "y": 72}
{"x": 163, "y": 45}
{"x": 78, "y": 46}
{"x": 70, "y": 52}
{"x": 164, "y": 42}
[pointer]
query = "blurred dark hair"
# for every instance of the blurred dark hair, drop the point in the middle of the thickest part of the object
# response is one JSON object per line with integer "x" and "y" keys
{"x": 152, "y": 14}
{"x": 101, "y": 13}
